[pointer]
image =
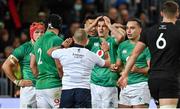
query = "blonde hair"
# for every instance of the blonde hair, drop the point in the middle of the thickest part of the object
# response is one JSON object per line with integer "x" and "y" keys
{"x": 80, "y": 35}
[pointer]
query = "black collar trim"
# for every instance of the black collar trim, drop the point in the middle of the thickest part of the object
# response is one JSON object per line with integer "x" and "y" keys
{"x": 77, "y": 45}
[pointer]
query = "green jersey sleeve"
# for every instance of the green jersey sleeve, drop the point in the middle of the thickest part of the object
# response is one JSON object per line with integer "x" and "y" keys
{"x": 148, "y": 55}
{"x": 119, "y": 52}
{"x": 33, "y": 52}
{"x": 91, "y": 42}
{"x": 19, "y": 53}
{"x": 114, "y": 41}
{"x": 57, "y": 42}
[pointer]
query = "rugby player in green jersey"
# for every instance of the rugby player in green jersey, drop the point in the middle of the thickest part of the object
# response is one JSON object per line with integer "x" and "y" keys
{"x": 48, "y": 86}
{"x": 163, "y": 42}
{"x": 21, "y": 55}
{"x": 136, "y": 94}
{"x": 103, "y": 88}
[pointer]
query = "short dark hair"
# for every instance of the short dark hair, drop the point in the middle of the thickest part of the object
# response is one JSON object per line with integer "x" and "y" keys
{"x": 54, "y": 21}
{"x": 170, "y": 8}
{"x": 136, "y": 20}
{"x": 101, "y": 19}
{"x": 90, "y": 16}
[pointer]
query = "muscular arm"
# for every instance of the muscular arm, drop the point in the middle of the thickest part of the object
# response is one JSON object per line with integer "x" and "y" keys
{"x": 49, "y": 52}
{"x": 7, "y": 67}
{"x": 65, "y": 44}
{"x": 59, "y": 67}
{"x": 141, "y": 70}
{"x": 119, "y": 35}
{"x": 87, "y": 29}
{"x": 131, "y": 61}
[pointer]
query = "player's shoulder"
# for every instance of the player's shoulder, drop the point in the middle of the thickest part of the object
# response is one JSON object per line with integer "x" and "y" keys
{"x": 152, "y": 28}
{"x": 25, "y": 45}
{"x": 94, "y": 38}
{"x": 146, "y": 32}
{"x": 124, "y": 43}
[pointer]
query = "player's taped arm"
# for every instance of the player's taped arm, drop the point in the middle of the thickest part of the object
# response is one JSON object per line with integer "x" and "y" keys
{"x": 8, "y": 66}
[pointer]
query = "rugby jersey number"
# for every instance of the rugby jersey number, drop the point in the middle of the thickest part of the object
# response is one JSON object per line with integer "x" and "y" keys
{"x": 162, "y": 40}
{"x": 40, "y": 53}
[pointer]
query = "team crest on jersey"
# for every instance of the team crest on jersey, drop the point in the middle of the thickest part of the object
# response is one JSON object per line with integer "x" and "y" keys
{"x": 162, "y": 27}
{"x": 100, "y": 53}
{"x": 96, "y": 44}
{"x": 124, "y": 51}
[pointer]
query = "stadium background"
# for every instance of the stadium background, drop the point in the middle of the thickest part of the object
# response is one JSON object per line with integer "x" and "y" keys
{"x": 17, "y": 15}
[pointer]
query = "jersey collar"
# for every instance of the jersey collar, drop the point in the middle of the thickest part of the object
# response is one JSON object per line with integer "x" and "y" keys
{"x": 77, "y": 45}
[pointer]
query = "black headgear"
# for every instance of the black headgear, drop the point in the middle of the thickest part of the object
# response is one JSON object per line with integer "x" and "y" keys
{"x": 54, "y": 21}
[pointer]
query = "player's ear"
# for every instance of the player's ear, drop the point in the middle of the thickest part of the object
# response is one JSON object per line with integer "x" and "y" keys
{"x": 73, "y": 38}
{"x": 140, "y": 30}
{"x": 161, "y": 13}
{"x": 177, "y": 14}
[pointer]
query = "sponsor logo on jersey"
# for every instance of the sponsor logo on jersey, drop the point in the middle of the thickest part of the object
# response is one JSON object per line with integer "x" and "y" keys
{"x": 100, "y": 53}
{"x": 96, "y": 44}
{"x": 124, "y": 51}
{"x": 162, "y": 27}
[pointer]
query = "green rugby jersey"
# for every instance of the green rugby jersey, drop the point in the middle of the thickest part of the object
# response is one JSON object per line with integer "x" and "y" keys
{"x": 22, "y": 54}
{"x": 48, "y": 76}
{"x": 124, "y": 51}
{"x": 91, "y": 42}
{"x": 104, "y": 76}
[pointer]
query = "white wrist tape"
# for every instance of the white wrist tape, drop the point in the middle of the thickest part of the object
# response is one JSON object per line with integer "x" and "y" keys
{"x": 17, "y": 82}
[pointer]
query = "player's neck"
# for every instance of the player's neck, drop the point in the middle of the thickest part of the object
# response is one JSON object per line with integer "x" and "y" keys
{"x": 83, "y": 43}
{"x": 104, "y": 37}
{"x": 32, "y": 41}
{"x": 56, "y": 31}
{"x": 134, "y": 41}
{"x": 168, "y": 20}
{"x": 80, "y": 44}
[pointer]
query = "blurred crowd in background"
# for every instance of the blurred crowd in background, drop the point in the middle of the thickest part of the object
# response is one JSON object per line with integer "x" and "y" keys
{"x": 17, "y": 15}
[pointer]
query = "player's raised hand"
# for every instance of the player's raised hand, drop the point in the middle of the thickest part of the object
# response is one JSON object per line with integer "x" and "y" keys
{"x": 107, "y": 20}
{"x": 67, "y": 43}
{"x": 96, "y": 20}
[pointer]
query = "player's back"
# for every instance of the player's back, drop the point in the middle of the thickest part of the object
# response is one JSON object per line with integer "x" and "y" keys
{"x": 163, "y": 41}
{"x": 48, "y": 74}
